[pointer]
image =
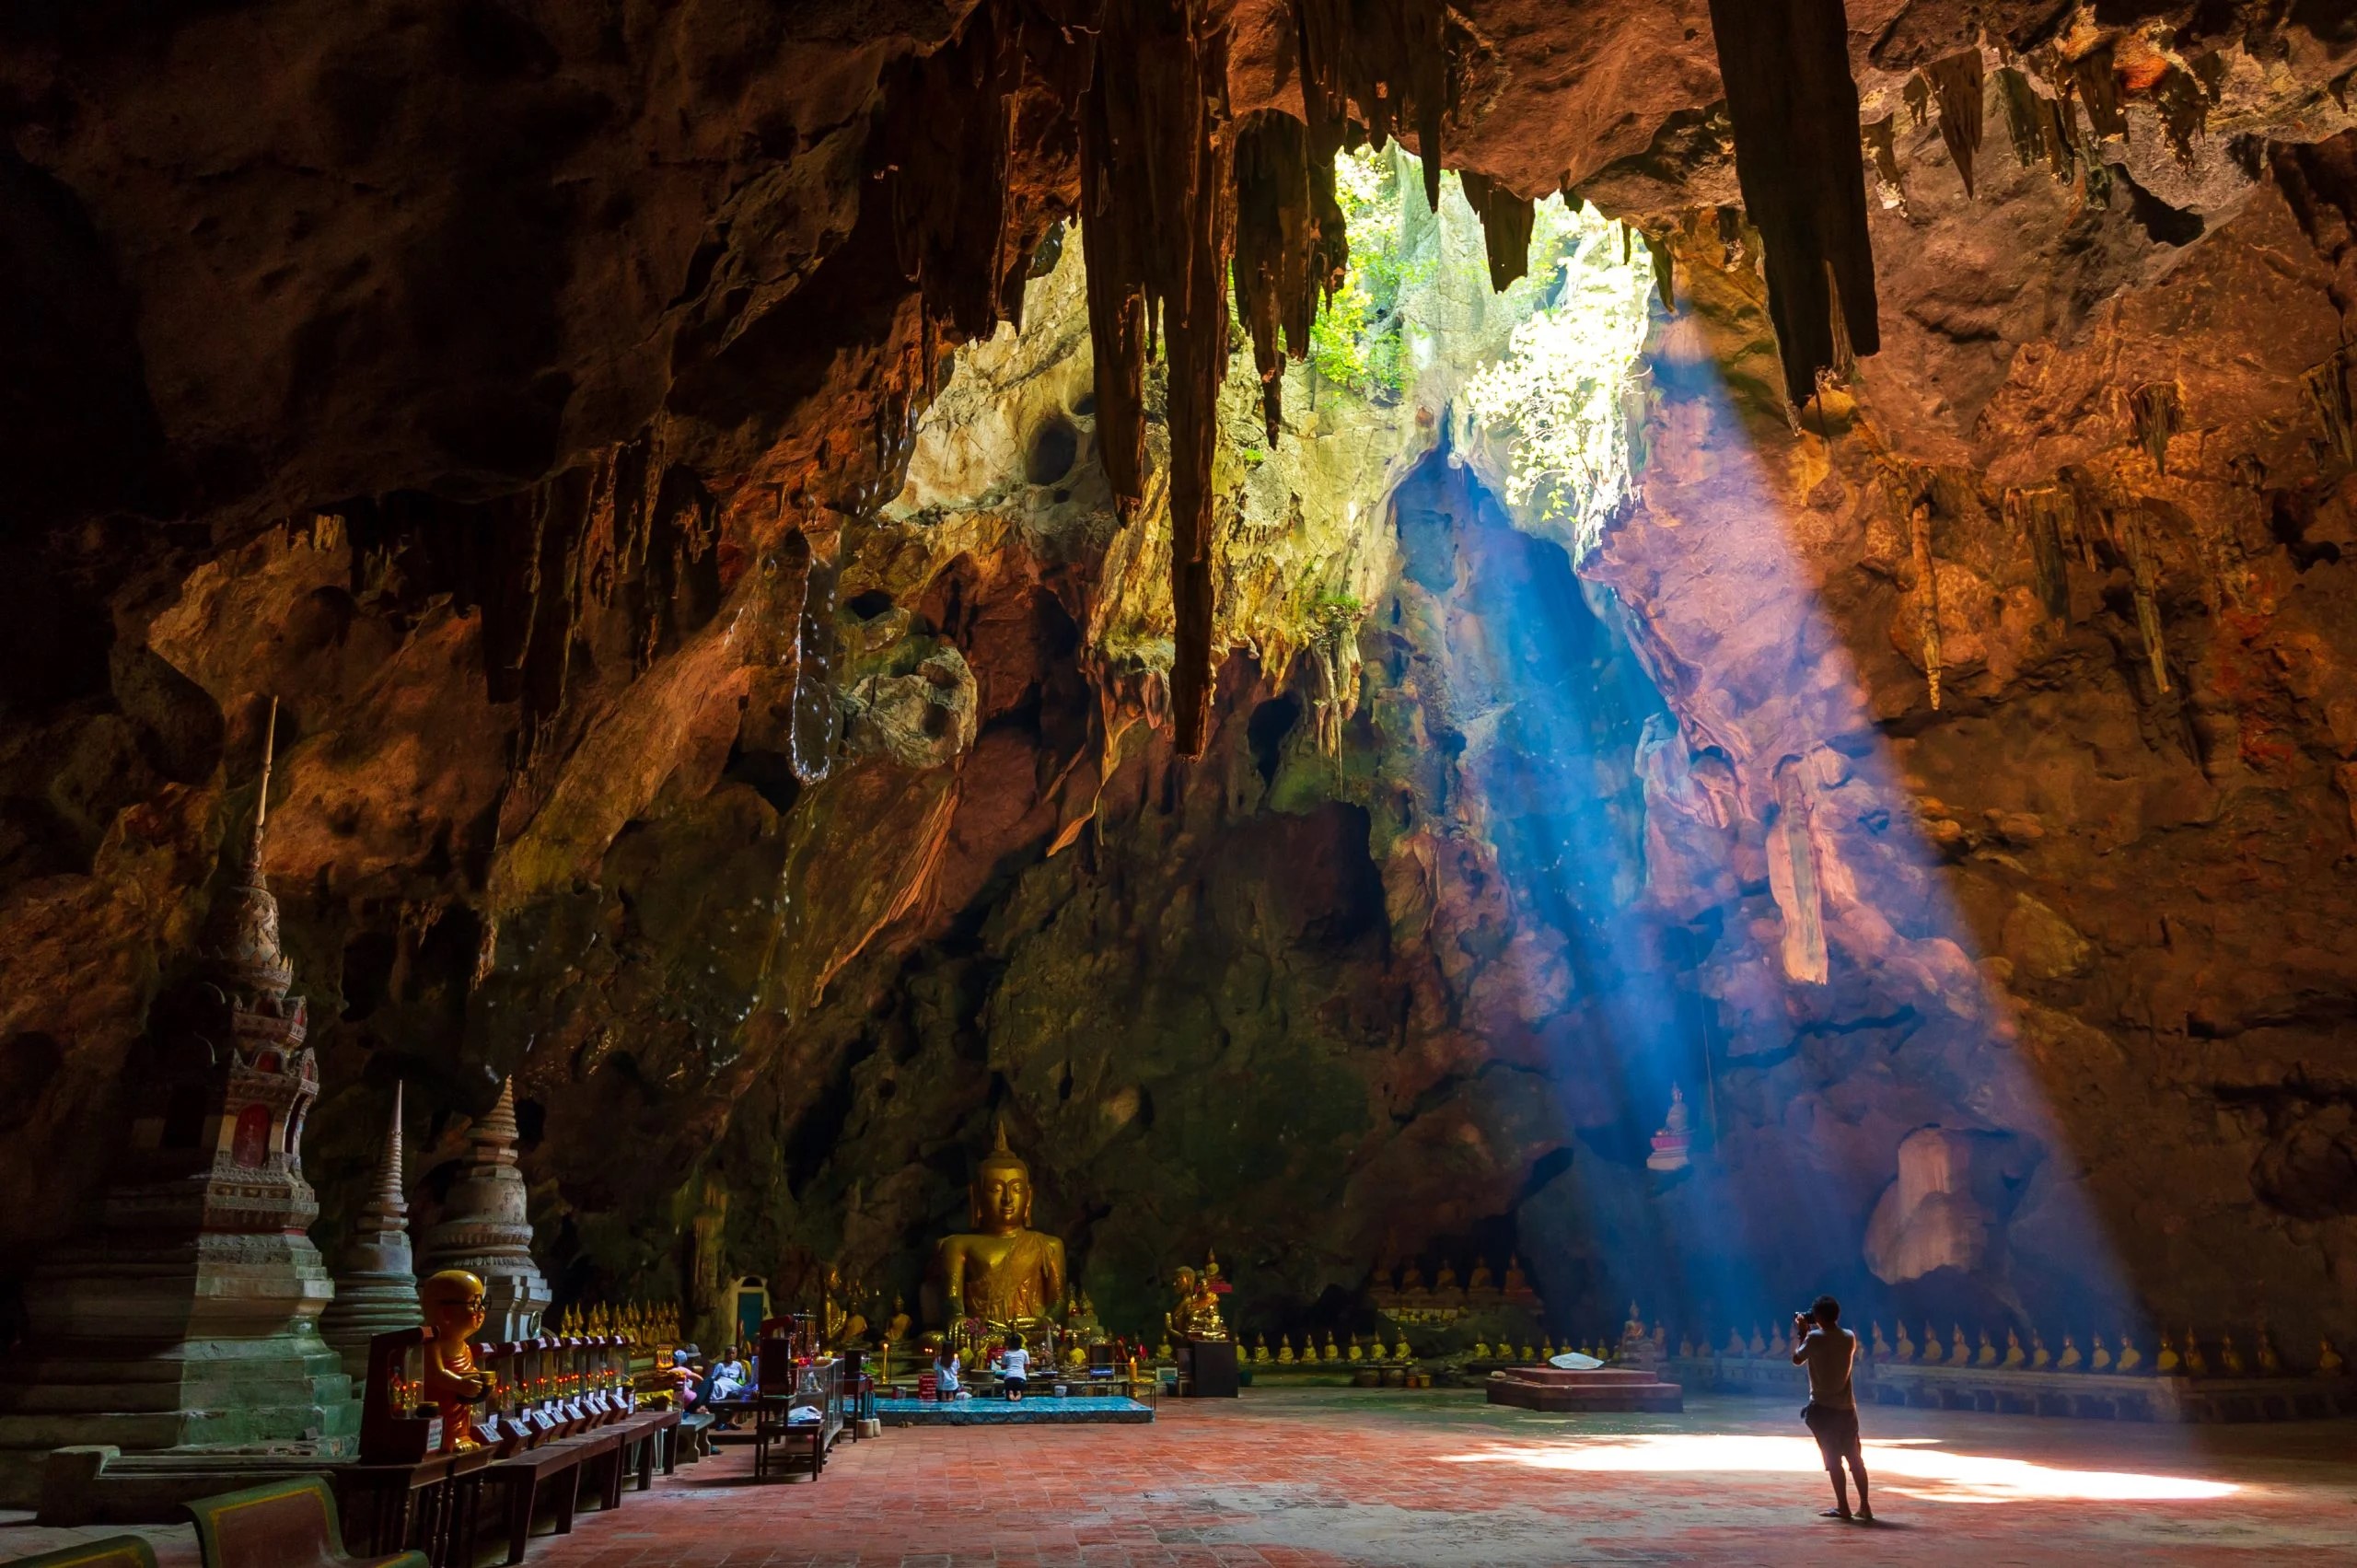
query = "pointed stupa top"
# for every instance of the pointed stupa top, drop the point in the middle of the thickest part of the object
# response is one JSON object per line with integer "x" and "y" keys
{"x": 238, "y": 947}
{"x": 387, "y": 1207}
{"x": 494, "y": 1136}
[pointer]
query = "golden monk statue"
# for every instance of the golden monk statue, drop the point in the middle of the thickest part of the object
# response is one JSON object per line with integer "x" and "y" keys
{"x": 1003, "y": 1273}
{"x": 451, "y": 1303}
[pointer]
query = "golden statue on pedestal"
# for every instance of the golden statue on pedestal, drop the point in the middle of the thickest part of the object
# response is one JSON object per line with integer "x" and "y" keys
{"x": 452, "y": 1303}
{"x": 1002, "y": 1274}
{"x": 1196, "y": 1315}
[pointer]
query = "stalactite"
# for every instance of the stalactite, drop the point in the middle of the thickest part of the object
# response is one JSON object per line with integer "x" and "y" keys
{"x": 1927, "y": 586}
{"x": 1800, "y": 161}
{"x": 1955, "y": 82}
{"x": 1883, "y": 148}
{"x": 2158, "y": 416}
{"x": 2130, "y": 520}
{"x": 1507, "y": 221}
{"x": 1665, "y": 269}
{"x": 2336, "y": 410}
{"x": 945, "y": 142}
{"x": 2041, "y": 517}
{"x": 1798, "y": 895}
{"x": 1159, "y": 229}
{"x": 2037, "y": 125}
{"x": 1384, "y": 65}
{"x": 2099, "y": 89}
{"x": 1291, "y": 244}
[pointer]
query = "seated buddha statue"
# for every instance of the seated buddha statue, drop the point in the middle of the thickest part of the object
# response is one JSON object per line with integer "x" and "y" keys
{"x": 1002, "y": 1274}
{"x": 451, "y": 1303}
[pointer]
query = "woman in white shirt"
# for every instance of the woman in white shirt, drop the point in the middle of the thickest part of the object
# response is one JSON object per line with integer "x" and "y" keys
{"x": 1013, "y": 1367}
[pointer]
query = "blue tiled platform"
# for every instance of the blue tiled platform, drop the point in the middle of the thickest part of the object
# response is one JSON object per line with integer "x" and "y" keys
{"x": 1035, "y": 1410}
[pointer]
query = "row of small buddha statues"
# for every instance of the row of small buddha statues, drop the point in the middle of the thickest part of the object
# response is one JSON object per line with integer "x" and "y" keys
{"x": 2176, "y": 1358}
{"x": 641, "y": 1325}
{"x": 1404, "y": 1285}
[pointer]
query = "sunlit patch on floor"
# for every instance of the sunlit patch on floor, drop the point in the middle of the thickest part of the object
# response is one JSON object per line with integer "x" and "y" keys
{"x": 1916, "y": 1469}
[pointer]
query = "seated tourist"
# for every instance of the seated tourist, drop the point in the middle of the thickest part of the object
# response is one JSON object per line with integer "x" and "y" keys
{"x": 1013, "y": 1367}
{"x": 730, "y": 1377}
{"x": 686, "y": 1383}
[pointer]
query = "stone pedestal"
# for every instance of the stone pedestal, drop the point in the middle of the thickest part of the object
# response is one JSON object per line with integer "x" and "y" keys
{"x": 485, "y": 1230}
{"x": 376, "y": 1293}
{"x": 186, "y": 1316}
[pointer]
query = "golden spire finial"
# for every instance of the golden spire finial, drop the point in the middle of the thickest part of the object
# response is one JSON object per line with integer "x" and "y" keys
{"x": 998, "y": 1136}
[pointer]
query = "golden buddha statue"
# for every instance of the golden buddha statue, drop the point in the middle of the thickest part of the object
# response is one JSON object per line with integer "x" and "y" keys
{"x": 2270, "y": 1364}
{"x": 2015, "y": 1358}
{"x": 2100, "y": 1359}
{"x": 451, "y": 1303}
{"x": 1002, "y": 1274}
{"x": 1284, "y": 1349}
{"x": 1330, "y": 1353}
{"x": 2129, "y": 1358}
{"x": 2330, "y": 1362}
{"x": 1483, "y": 1282}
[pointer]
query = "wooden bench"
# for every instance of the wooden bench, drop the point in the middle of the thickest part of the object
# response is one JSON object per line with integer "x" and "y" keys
{"x": 551, "y": 1470}
{"x": 288, "y": 1523}
{"x": 115, "y": 1551}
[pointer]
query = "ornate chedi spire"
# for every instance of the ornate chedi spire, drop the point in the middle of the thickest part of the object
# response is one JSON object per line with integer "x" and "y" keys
{"x": 196, "y": 1274}
{"x": 375, "y": 1291}
{"x": 486, "y": 1229}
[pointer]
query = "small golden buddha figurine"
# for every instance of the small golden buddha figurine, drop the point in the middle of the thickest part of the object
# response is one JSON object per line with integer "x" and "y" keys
{"x": 1002, "y": 1272}
{"x": 1684, "y": 1348}
{"x": 1517, "y": 1287}
{"x": 2230, "y": 1360}
{"x": 2328, "y": 1360}
{"x": 1330, "y": 1353}
{"x": 1354, "y": 1353}
{"x": 2070, "y": 1360}
{"x": 1933, "y": 1352}
{"x": 1284, "y": 1349}
{"x": 1877, "y": 1347}
{"x": 2100, "y": 1359}
{"x": 2015, "y": 1357}
{"x": 2040, "y": 1358}
{"x": 2196, "y": 1363}
{"x": 1906, "y": 1342}
{"x": 2129, "y": 1358}
{"x": 451, "y": 1303}
{"x": 1960, "y": 1353}
{"x": 1758, "y": 1345}
{"x": 1261, "y": 1350}
{"x": 1412, "y": 1282}
{"x": 896, "y": 1330}
{"x": 1162, "y": 1351}
{"x": 1547, "y": 1350}
{"x": 2169, "y": 1361}
{"x": 1483, "y": 1282}
{"x": 1735, "y": 1342}
{"x": 1401, "y": 1352}
{"x": 2270, "y": 1364}
{"x": 1481, "y": 1350}
{"x": 1445, "y": 1280}
{"x": 1987, "y": 1352}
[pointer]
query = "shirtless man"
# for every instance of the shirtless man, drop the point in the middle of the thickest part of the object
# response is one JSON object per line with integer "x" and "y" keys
{"x": 1829, "y": 1352}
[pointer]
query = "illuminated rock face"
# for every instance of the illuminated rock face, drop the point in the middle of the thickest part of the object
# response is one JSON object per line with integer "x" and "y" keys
{"x": 770, "y": 813}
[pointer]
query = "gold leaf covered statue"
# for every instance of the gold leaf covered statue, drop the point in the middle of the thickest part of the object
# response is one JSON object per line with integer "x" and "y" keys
{"x": 1002, "y": 1274}
{"x": 1197, "y": 1316}
{"x": 451, "y": 1302}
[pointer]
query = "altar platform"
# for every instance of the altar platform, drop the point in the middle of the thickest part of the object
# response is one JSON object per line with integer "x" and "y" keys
{"x": 1033, "y": 1410}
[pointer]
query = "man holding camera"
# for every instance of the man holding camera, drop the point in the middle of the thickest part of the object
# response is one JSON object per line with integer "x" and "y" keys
{"x": 1829, "y": 1351}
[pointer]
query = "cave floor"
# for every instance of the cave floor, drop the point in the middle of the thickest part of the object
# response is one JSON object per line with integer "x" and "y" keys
{"x": 1349, "y": 1476}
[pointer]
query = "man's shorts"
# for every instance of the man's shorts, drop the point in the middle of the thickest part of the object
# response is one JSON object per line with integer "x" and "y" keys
{"x": 1836, "y": 1432}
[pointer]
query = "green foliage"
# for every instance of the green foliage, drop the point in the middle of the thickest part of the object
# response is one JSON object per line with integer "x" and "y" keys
{"x": 1556, "y": 396}
{"x": 1356, "y": 340}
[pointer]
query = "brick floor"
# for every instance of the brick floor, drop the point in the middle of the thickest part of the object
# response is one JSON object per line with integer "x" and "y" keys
{"x": 1311, "y": 1479}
